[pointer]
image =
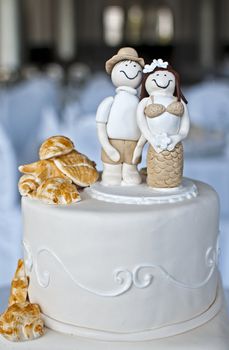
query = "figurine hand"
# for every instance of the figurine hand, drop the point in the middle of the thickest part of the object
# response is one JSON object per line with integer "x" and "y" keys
{"x": 175, "y": 140}
{"x": 113, "y": 154}
{"x": 137, "y": 155}
{"x": 171, "y": 146}
{"x": 157, "y": 147}
{"x": 162, "y": 141}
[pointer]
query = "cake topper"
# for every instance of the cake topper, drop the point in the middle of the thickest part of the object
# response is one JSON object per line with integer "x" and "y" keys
{"x": 117, "y": 127}
{"x": 55, "y": 177}
{"x": 163, "y": 119}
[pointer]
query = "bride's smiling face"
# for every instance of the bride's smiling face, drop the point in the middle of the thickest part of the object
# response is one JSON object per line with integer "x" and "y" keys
{"x": 161, "y": 81}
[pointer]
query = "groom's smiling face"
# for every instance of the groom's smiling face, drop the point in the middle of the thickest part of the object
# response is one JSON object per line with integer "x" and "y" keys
{"x": 127, "y": 73}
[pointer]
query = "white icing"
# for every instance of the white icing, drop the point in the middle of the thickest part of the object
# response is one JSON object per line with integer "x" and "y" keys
{"x": 28, "y": 258}
{"x": 96, "y": 241}
{"x": 124, "y": 277}
{"x": 146, "y": 335}
{"x": 148, "y": 278}
{"x": 211, "y": 336}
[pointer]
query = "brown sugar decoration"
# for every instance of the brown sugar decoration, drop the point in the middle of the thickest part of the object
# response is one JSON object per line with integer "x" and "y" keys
{"x": 19, "y": 285}
{"x": 28, "y": 185}
{"x": 22, "y": 320}
{"x": 58, "y": 191}
{"x": 55, "y": 146}
{"x": 55, "y": 178}
{"x": 78, "y": 168}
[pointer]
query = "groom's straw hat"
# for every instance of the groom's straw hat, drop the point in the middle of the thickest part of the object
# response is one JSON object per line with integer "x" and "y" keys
{"x": 125, "y": 53}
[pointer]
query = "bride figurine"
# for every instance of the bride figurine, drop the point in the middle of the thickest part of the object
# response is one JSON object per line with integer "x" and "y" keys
{"x": 163, "y": 119}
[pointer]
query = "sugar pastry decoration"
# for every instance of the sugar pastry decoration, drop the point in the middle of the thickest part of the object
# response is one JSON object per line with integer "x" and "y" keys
{"x": 78, "y": 168}
{"x": 28, "y": 185}
{"x": 41, "y": 170}
{"x": 22, "y": 320}
{"x": 57, "y": 190}
{"x": 55, "y": 178}
{"x": 19, "y": 285}
{"x": 55, "y": 146}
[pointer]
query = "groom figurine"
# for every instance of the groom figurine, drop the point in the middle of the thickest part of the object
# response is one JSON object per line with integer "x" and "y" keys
{"x": 116, "y": 122}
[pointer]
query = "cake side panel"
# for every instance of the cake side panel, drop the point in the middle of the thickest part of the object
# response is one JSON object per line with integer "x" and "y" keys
{"x": 147, "y": 267}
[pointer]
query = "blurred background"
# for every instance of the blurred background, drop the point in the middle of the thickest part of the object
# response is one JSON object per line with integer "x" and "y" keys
{"x": 52, "y": 78}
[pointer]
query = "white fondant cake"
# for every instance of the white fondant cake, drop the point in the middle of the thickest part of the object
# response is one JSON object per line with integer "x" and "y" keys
{"x": 131, "y": 266}
{"x": 124, "y": 272}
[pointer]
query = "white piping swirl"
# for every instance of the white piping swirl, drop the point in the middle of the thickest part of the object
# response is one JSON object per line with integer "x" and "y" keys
{"x": 121, "y": 277}
{"x": 126, "y": 278}
{"x": 28, "y": 256}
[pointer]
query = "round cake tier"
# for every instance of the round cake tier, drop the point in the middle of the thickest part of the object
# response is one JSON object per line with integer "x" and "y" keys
{"x": 122, "y": 271}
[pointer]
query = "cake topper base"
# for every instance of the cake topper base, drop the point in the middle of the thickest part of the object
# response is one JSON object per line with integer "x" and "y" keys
{"x": 142, "y": 194}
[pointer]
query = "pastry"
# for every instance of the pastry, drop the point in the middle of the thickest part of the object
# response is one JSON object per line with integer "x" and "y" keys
{"x": 78, "y": 168}
{"x": 41, "y": 170}
{"x": 55, "y": 146}
{"x": 22, "y": 320}
{"x": 27, "y": 185}
{"x": 19, "y": 285}
{"x": 50, "y": 180}
{"x": 57, "y": 190}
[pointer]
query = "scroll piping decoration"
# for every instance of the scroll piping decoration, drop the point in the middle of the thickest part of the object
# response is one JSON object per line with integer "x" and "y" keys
{"x": 28, "y": 257}
{"x": 141, "y": 276}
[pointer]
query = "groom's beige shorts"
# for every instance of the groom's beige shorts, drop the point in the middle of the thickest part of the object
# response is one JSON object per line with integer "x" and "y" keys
{"x": 124, "y": 147}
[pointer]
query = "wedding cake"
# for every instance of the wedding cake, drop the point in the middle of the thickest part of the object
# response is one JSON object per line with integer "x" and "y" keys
{"x": 128, "y": 260}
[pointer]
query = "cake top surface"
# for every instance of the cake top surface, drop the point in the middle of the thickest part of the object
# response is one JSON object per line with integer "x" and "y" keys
{"x": 89, "y": 205}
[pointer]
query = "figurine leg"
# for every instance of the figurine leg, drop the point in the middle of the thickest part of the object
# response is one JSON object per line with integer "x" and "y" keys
{"x": 130, "y": 174}
{"x": 112, "y": 174}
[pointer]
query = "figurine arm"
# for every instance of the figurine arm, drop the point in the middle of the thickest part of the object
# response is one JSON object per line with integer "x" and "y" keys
{"x": 112, "y": 153}
{"x": 143, "y": 126}
{"x": 102, "y": 117}
{"x": 138, "y": 149}
{"x": 183, "y": 131}
{"x": 103, "y": 111}
{"x": 185, "y": 123}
